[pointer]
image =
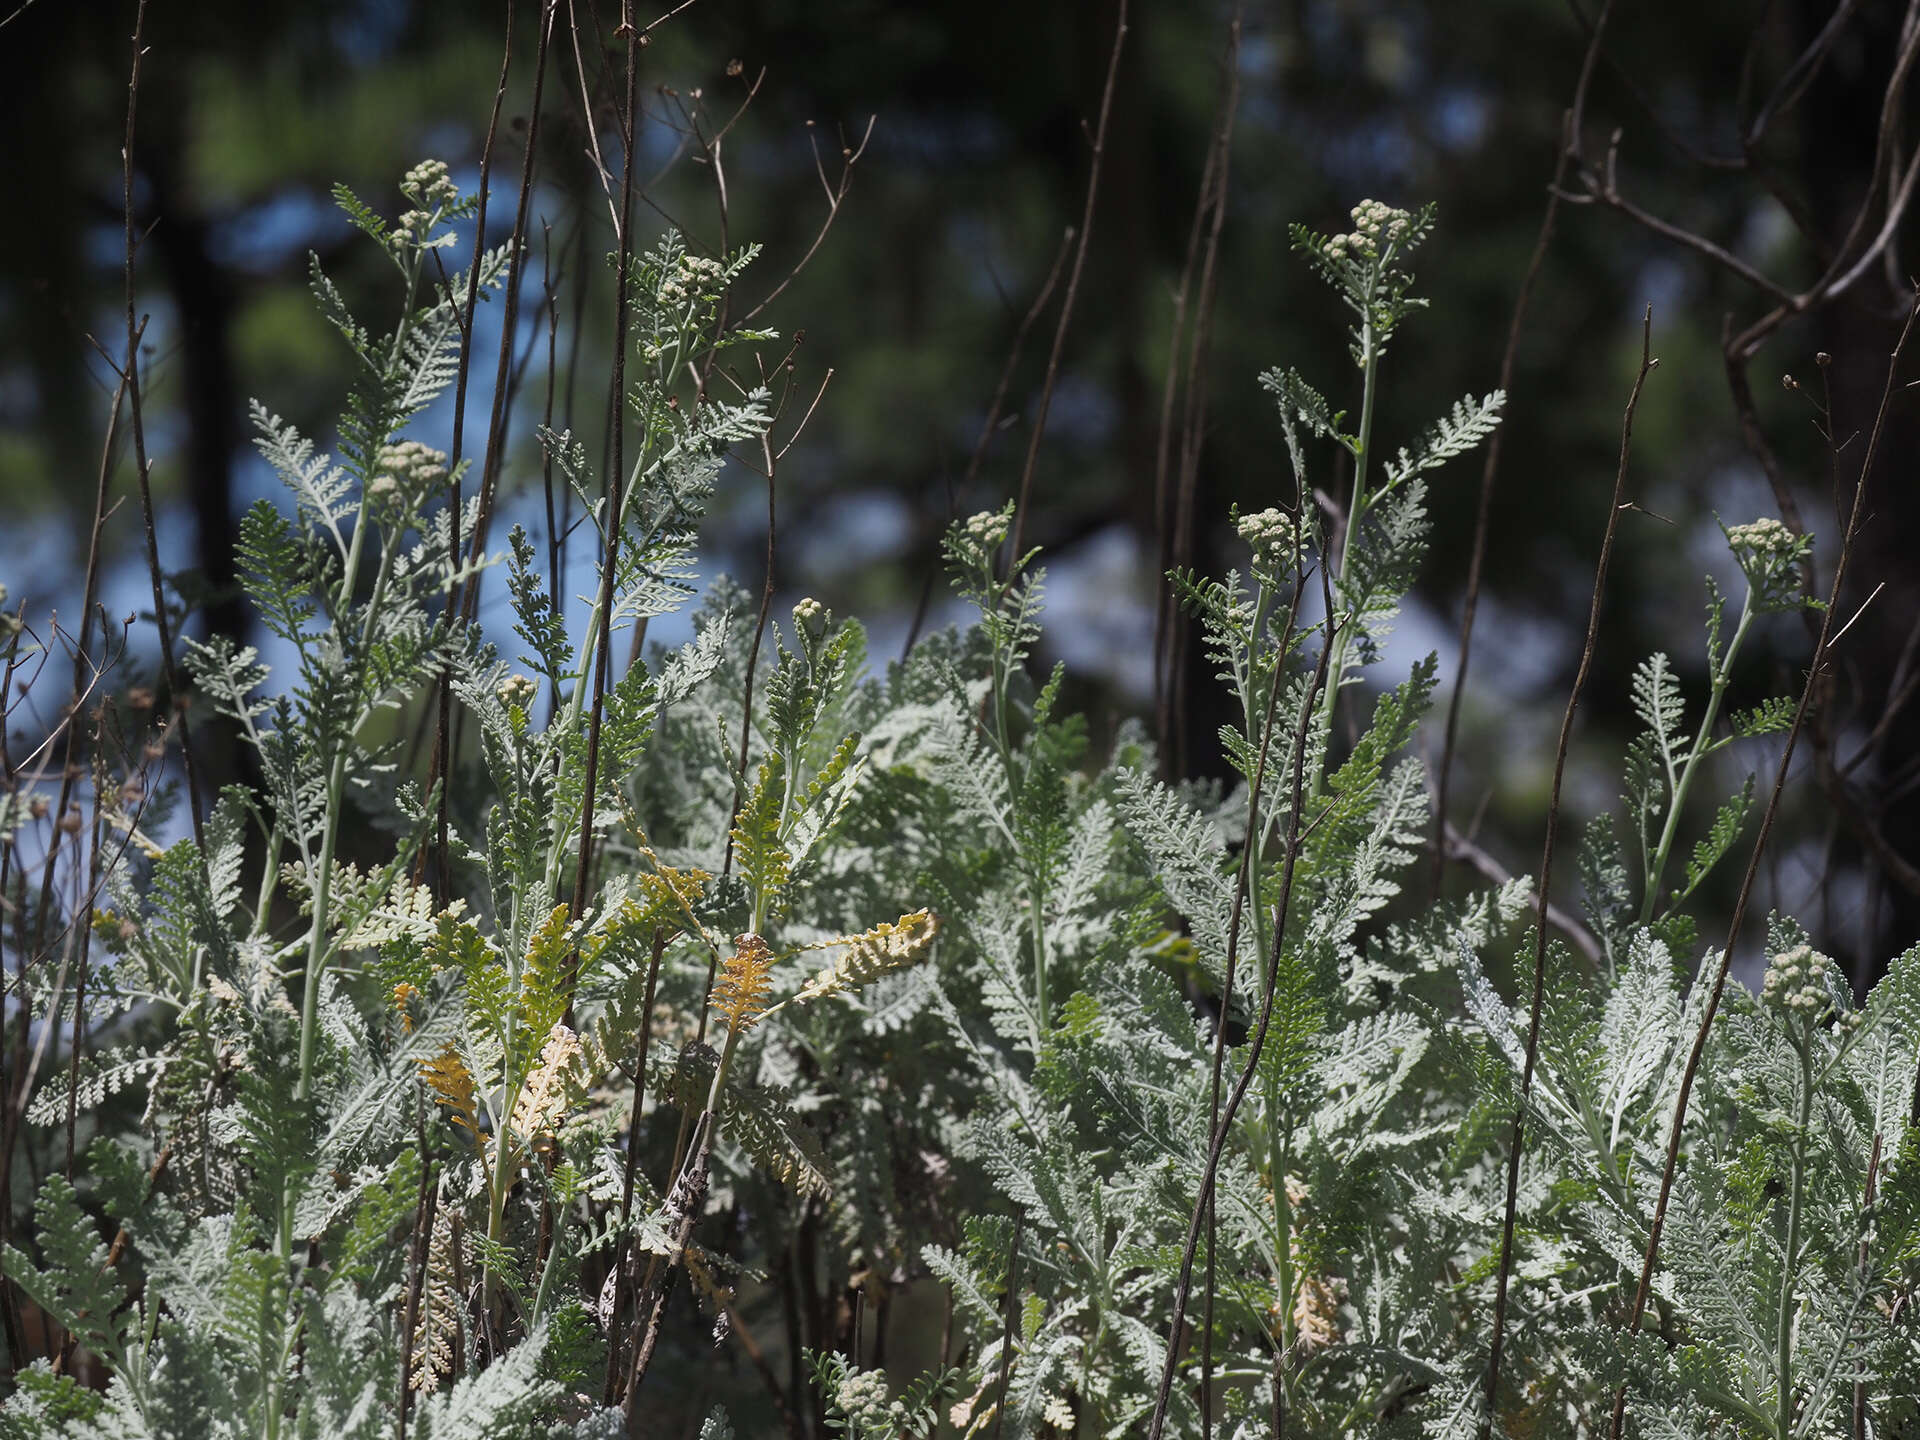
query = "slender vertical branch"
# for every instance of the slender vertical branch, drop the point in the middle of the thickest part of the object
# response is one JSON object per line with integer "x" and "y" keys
{"x": 1165, "y": 613}
{"x": 443, "y": 733}
{"x": 623, "y": 1246}
{"x": 162, "y": 620}
{"x": 423, "y": 1217}
{"x": 1866, "y": 1223}
{"x": 77, "y": 1042}
{"x": 1497, "y": 1346}
{"x": 610, "y": 556}
{"x": 1073, "y": 281}
{"x": 495, "y": 458}
{"x": 1194, "y": 416}
{"x": 1569, "y": 140}
{"x": 1013, "y": 1306}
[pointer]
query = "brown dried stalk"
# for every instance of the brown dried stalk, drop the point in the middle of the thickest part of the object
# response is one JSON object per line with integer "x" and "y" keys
{"x": 1498, "y": 1344}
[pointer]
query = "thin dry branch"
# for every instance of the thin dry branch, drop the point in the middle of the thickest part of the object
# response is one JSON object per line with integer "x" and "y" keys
{"x": 1544, "y": 887}
{"x": 1476, "y": 564}
{"x": 1073, "y": 282}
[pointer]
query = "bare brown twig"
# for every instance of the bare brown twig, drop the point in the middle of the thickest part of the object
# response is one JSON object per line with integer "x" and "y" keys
{"x": 1571, "y": 126}
{"x": 1073, "y": 283}
{"x": 1171, "y": 627}
{"x": 1496, "y": 1346}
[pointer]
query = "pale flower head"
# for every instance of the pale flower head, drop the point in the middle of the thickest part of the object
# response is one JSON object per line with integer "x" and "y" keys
{"x": 1770, "y": 556}
{"x": 403, "y": 472}
{"x": 811, "y": 618}
{"x": 1269, "y": 533}
{"x": 987, "y": 529}
{"x": 429, "y": 184}
{"x": 863, "y": 1396}
{"x": 516, "y": 692}
{"x": 1796, "y": 982}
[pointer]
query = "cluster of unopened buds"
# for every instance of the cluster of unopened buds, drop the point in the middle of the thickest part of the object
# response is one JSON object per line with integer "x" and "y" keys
{"x": 811, "y": 618}
{"x": 1268, "y": 533}
{"x": 1376, "y": 225}
{"x": 1769, "y": 555}
{"x": 863, "y": 1396}
{"x": 429, "y": 184}
{"x": 693, "y": 274}
{"x": 516, "y": 692}
{"x": 408, "y": 467}
{"x": 987, "y": 529}
{"x": 1796, "y": 984}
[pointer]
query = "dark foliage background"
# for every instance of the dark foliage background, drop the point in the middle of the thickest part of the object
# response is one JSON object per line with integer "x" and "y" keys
{"x": 976, "y": 165}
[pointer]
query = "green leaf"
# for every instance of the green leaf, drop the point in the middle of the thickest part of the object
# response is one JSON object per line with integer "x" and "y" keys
{"x": 75, "y": 1286}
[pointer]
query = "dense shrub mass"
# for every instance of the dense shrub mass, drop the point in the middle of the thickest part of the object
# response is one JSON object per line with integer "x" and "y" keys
{"x": 748, "y": 1015}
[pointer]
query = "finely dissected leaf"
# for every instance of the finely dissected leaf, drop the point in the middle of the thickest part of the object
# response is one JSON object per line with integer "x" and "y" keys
{"x": 1463, "y": 428}
{"x": 1661, "y": 707}
{"x": 866, "y": 957}
{"x": 740, "y": 993}
{"x": 435, "y": 1341}
{"x": 75, "y": 1285}
{"x": 761, "y": 854}
{"x": 447, "y": 1076}
{"x": 1727, "y": 822}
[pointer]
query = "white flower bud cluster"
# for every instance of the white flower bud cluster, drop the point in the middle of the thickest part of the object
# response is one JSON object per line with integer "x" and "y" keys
{"x": 811, "y": 618}
{"x": 1268, "y": 533}
{"x": 1765, "y": 536}
{"x": 428, "y": 184}
{"x": 693, "y": 275}
{"x": 1769, "y": 555}
{"x": 516, "y": 692}
{"x": 407, "y": 468}
{"x": 987, "y": 529}
{"x": 1375, "y": 224}
{"x": 863, "y": 1395}
{"x": 1796, "y": 982}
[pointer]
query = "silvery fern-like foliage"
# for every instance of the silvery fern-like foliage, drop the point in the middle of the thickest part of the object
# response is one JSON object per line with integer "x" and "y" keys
{"x": 842, "y": 988}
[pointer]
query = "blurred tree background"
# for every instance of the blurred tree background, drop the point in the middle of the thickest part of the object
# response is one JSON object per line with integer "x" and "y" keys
{"x": 955, "y": 213}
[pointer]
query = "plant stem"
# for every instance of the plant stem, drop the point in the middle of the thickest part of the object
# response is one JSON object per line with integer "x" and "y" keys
{"x": 1783, "y": 1424}
{"x": 1283, "y": 1257}
{"x": 1356, "y": 512}
{"x": 1701, "y": 747}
